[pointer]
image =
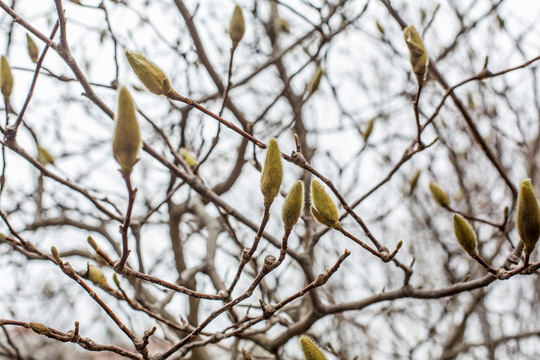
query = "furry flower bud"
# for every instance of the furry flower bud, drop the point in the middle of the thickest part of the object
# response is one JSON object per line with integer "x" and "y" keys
{"x": 292, "y": 207}
{"x": 417, "y": 53}
{"x": 272, "y": 173}
{"x": 527, "y": 216}
{"x": 39, "y": 328}
{"x": 324, "y": 210}
{"x": 465, "y": 235}
{"x": 32, "y": 48}
{"x": 6, "y": 77}
{"x": 127, "y": 136}
{"x": 45, "y": 157}
{"x": 149, "y": 73}
{"x": 96, "y": 276}
{"x": 236, "y": 26}
{"x": 310, "y": 349}
{"x": 439, "y": 195}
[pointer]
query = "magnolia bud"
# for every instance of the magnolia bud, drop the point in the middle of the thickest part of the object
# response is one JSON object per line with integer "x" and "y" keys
{"x": 127, "y": 136}
{"x": 414, "y": 181}
{"x": 283, "y": 25}
{"x": 96, "y": 276}
{"x": 465, "y": 235}
{"x": 315, "y": 81}
{"x": 527, "y": 216}
{"x": 236, "y": 26}
{"x": 32, "y": 48}
{"x": 272, "y": 173}
{"x": 39, "y": 328}
{"x": 45, "y": 157}
{"x": 92, "y": 243}
{"x": 417, "y": 53}
{"x": 55, "y": 254}
{"x": 246, "y": 355}
{"x": 292, "y": 207}
{"x": 369, "y": 129}
{"x": 6, "y": 77}
{"x": 310, "y": 349}
{"x": 149, "y": 73}
{"x": 324, "y": 210}
{"x": 439, "y": 195}
{"x": 190, "y": 160}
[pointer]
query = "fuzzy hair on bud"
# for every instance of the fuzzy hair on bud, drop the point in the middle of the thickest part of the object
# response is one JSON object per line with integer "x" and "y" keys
{"x": 45, "y": 157}
{"x": 315, "y": 81}
{"x": 6, "y": 77}
{"x": 96, "y": 276}
{"x": 236, "y": 26}
{"x": 439, "y": 195}
{"x": 417, "y": 53}
{"x": 149, "y": 73}
{"x": 527, "y": 216}
{"x": 272, "y": 173}
{"x": 324, "y": 209}
{"x": 292, "y": 207}
{"x": 465, "y": 235}
{"x": 39, "y": 328}
{"x": 127, "y": 136}
{"x": 32, "y": 49}
{"x": 310, "y": 349}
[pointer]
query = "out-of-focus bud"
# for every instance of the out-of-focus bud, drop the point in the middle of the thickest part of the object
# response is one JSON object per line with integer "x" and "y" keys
{"x": 310, "y": 349}
{"x": 439, "y": 195}
{"x": 292, "y": 207}
{"x": 324, "y": 209}
{"x": 39, "y": 328}
{"x": 465, "y": 235}
{"x": 236, "y": 26}
{"x": 32, "y": 48}
{"x": 45, "y": 157}
{"x": 283, "y": 25}
{"x": 96, "y": 276}
{"x": 417, "y": 53}
{"x": 528, "y": 216}
{"x": 315, "y": 81}
{"x": 368, "y": 130}
{"x": 127, "y": 136}
{"x": 6, "y": 78}
{"x": 149, "y": 73}
{"x": 272, "y": 173}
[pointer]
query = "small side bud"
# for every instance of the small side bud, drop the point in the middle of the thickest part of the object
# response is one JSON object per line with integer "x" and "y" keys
{"x": 32, "y": 48}
{"x": 149, "y": 73}
{"x": 127, "y": 136}
{"x": 368, "y": 130}
{"x": 186, "y": 155}
{"x": 527, "y": 216}
{"x": 414, "y": 181}
{"x": 92, "y": 243}
{"x": 417, "y": 53}
{"x": 96, "y": 276}
{"x": 45, "y": 157}
{"x": 55, "y": 254}
{"x": 116, "y": 280}
{"x": 292, "y": 207}
{"x": 439, "y": 195}
{"x": 236, "y": 26}
{"x": 310, "y": 349}
{"x": 323, "y": 206}
{"x": 465, "y": 235}
{"x": 283, "y": 25}
{"x": 315, "y": 81}
{"x": 245, "y": 355}
{"x": 39, "y": 328}
{"x": 272, "y": 173}
{"x": 6, "y": 78}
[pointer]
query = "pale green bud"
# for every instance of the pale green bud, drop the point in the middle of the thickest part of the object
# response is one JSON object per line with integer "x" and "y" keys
{"x": 96, "y": 276}
{"x": 272, "y": 173}
{"x": 149, "y": 73}
{"x": 417, "y": 53}
{"x": 368, "y": 130}
{"x": 32, "y": 48}
{"x": 45, "y": 157}
{"x": 127, "y": 136}
{"x": 190, "y": 160}
{"x": 237, "y": 26}
{"x": 324, "y": 209}
{"x": 439, "y": 195}
{"x": 283, "y": 25}
{"x": 315, "y": 81}
{"x": 39, "y": 328}
{"x": 6, "y": 77}
{"x": 310, "y": 349}
{"x": 527, "y": 216}
{"x": 292, "y": 207}
{"x": 465, "y": 235}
